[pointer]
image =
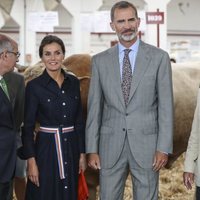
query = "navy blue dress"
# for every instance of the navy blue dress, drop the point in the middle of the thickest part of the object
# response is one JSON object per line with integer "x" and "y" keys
{"x": 54, "y": 107}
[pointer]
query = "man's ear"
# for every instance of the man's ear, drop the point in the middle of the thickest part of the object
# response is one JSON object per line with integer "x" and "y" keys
{"x": 112, "y": 26}
{"x": 139, "y": 20}
{"x": 3, "y": 55}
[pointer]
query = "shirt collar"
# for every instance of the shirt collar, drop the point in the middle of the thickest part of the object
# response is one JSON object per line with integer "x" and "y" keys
{"x": 134, "y": 47}
{"x": 48, "y": 78}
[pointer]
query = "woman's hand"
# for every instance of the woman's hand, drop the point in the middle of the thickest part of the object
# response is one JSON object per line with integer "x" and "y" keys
{"x": 32, "y": 171}
{"x": 82, "y": 162}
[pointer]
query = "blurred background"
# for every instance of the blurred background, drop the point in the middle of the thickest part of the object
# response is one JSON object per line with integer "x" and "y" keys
{"x": 84, "y": 25}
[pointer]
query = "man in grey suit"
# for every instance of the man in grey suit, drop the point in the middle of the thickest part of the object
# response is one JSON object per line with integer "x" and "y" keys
{"x": 11, "y": 113}
{"x": 129, "y": 130}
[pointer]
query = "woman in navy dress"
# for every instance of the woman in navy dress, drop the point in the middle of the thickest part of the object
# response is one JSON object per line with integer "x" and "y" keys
{"x": 55, "y": 155}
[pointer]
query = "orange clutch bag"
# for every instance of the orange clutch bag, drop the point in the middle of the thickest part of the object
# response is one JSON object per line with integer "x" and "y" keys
{"x": 82, "y": 187}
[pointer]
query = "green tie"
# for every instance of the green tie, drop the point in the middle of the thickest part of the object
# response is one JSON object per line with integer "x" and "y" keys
{"x": 4, "y": 87}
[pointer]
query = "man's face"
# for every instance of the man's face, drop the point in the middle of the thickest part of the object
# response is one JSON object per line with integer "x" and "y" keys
{"x": 12, "y": 58}
{"x": 125, "y": 24}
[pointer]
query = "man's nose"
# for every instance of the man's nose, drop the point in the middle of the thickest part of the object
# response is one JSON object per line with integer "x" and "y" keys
{"x": 127, "y": 24}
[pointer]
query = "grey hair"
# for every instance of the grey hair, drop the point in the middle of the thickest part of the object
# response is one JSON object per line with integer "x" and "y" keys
{"x": 122, "y": 5}
{"x": 5, "y": 43}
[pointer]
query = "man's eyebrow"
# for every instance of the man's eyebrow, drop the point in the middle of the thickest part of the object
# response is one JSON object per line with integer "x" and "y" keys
{"x": 121, "y": 20}
{"x": 132, "y": 19}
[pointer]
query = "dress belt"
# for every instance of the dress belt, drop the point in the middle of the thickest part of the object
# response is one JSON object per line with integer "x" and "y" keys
{"x": 57, "y": 132}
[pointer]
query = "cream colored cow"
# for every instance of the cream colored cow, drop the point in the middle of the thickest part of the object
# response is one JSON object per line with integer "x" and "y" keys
{"x": 186, "y": 80}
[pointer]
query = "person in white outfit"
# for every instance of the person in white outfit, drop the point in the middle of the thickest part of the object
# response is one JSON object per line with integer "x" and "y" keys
{"x": 191, "y": 173}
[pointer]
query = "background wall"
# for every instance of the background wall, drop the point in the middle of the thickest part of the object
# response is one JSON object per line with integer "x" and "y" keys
{"x": 183, "y": 27}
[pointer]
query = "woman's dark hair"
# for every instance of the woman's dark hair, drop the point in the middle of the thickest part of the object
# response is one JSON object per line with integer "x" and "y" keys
{"x": 48, "y": 40}
{"x": 122, "y": 5}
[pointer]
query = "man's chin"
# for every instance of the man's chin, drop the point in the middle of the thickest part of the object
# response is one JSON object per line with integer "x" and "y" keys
{"x": 128, "y": 38}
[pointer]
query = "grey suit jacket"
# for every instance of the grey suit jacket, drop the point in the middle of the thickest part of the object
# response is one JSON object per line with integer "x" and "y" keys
{"x": 147, "y": 120}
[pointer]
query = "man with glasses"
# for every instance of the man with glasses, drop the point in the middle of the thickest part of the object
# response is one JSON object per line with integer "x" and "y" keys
{"x": 17, "y": 54}
{"x": 11, "y": 113}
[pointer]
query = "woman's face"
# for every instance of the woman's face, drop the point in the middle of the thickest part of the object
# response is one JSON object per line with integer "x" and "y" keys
{"x": 52, "y": 56}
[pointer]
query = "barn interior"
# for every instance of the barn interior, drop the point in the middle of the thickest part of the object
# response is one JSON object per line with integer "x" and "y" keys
{"x": 84, "y": 26}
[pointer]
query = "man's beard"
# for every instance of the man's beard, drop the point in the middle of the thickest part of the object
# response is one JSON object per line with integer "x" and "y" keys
{"x": 128, "y": 38}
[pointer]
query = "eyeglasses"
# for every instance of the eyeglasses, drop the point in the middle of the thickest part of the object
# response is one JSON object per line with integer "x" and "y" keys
{"x": 17, "y": 54}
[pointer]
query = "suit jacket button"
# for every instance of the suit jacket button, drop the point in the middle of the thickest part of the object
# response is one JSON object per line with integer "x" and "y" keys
{"x": 124, "y": 129}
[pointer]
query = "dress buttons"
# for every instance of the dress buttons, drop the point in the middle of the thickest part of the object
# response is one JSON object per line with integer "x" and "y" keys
{"x": 65, "y": 187}
{"x": 65, "y": 163}
{"x": 65, "y": 139}
{"x": 64, "y": 116}
{"x": 48, "y": 100}
{"x": 63, "y": 91}
{"x": 63, "y": 103}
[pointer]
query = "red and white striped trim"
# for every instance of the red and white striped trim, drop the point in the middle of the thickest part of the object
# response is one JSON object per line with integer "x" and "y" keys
{"x": 54, "y": 130}
{"x": 58, "y": 144}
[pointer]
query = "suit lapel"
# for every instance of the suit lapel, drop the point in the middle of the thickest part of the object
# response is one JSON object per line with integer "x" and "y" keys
{"x": 115, "y": 69}
{"x": 141, "y": 65}
{"x": 5, "y": 99}
{"x": 11, "y": 89}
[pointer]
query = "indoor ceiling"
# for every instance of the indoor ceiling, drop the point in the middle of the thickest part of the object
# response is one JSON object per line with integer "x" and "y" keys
{"x": 6, "y": 5}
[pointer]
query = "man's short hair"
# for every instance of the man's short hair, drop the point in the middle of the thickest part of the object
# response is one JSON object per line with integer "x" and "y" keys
{"x": 5, "y": 43}
{"x": 122, "y": 5}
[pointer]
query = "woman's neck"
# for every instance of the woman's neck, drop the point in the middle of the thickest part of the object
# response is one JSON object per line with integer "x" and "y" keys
{"x": 57, "y": 76}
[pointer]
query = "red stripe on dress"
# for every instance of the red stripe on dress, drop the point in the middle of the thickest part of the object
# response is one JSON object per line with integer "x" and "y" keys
{"x": 59, "y": 155}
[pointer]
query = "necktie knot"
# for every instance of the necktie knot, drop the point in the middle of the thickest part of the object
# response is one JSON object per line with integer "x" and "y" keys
{"x": 3, "y": 83}
{"x": 126, "y": 52}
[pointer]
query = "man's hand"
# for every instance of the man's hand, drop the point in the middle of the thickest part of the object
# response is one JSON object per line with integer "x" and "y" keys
{"x": 160, "y": 160}
{"x": 188, "y": 180}
{"x": 94, "y": 161}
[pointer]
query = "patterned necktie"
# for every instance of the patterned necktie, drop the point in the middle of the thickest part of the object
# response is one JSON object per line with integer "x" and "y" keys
{"x": 126, "y": 76}
{"x": 4, "y": 87}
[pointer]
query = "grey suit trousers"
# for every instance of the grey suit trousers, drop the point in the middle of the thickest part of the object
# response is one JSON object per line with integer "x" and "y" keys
{"x": 144, "y": 180}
